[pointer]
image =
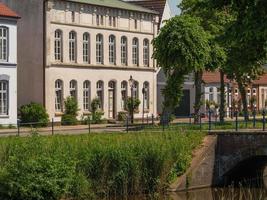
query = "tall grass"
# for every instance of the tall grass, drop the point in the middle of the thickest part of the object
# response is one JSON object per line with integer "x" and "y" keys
{"x": 93, "y": 166}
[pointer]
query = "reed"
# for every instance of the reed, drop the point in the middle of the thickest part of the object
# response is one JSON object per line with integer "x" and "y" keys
{"x": 93, "y": 166}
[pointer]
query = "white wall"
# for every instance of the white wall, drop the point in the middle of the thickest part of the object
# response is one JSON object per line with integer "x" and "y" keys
{"x": 82, "y": 74}
{"x": 9, "y": 70}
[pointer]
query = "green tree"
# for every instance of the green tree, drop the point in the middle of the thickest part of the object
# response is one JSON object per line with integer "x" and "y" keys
{"x": 181, "y": 47}
{"x": 246, "y": 38}
{"x": 214, "y": 22}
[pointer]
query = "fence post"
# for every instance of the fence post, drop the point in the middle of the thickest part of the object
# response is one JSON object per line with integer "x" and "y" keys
{"x": 89, "y": 124}
{"x": 152, "y": 119}
{"x": 254, "y": 118}
{"x": 246, "y": 121}
{"x": 209, "y": 120}
{"x": 127, "y": 124}
{"x": 163, "y": 123}
{"x": 263, "y": 119}
{"x": 236, "y": 120}
{"x": 52, "y": 126}
{"x": 200, "y": 121}
{"x": 18, "y": 126}
{"x": 190, "y": 119}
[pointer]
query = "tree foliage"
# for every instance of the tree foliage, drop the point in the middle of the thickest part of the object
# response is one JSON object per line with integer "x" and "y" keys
{"x": 181, "y": 47}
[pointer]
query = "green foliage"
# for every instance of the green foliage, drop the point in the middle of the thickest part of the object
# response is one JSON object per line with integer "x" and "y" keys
{"x": 97, "y": 117}
{"x": 71, "y": 106}
{"x": 96, "y": 113}
{"x": 89, "y": 167}
{"x": 122, "y": 116}
{"x": 68, "y": 120}
{"x": 34, "y": 113}
{"x": 132, "y": 104}
{"x": 181, "y": 47}
{"x": 70, "y": 113}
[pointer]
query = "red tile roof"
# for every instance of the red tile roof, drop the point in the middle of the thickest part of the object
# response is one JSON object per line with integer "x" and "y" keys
{"x": 7, "y": 12}
{"x": 213, "y": 77}
{"x": 261, "y": 81}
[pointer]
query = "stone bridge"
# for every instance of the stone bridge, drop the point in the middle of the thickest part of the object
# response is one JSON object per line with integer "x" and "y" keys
{"x": 226, "y": 158}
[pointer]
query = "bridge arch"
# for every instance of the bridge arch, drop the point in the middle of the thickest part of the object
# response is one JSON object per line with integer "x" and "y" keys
{"x": 246, "y": 166}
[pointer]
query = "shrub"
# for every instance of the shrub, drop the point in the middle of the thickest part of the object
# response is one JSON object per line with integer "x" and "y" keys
{"x": 34, "y": 113}
{"x": 122, "y": 116}
{"x": 132, "y": 104}
{"x": 67, "y": 120}
{"x": 96, "y": 113}
{"x": 71, "y": 112}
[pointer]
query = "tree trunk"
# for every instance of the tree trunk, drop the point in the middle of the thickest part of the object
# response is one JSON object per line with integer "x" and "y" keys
{"x": 243, "y": 94}
{"x": 198, "y": 94}
{"x": 222, "y": 100}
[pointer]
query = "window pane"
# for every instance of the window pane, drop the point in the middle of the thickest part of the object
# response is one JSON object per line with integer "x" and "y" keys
{"x": 3, "y": 43}
{"x": 3, "y": 98}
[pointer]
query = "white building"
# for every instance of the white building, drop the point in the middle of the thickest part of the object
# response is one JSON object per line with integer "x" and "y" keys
{"x": 92, "y": 49}
{"x": 8, "y": 66}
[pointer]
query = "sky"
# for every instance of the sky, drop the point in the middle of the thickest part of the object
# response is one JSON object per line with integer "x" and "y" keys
{"x": 173, "y": 4}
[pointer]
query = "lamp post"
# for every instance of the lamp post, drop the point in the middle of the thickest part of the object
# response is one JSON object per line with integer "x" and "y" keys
{"x": 131, "y": 83}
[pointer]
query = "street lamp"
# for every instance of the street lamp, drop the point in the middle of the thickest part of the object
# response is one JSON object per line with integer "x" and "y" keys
{"x": 131, "y": 83}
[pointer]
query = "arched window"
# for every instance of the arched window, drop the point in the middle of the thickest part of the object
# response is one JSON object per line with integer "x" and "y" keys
{"x": 86, "y": 48}
{"x": 99, "y": 49}
{"x": 4, "y": 97}
{"x": 72, "y": 46}
{"x": 73, "y": 89}
{"x": 58, "y": 45}
{"x": 123, "y": 94}
{"x": 100, "y": 93}
{"x": 59, "y": 96}
{"x": 3, "y": 43}
{"x": 112, "y": 50}
{"x": 146, "y": 52}
{"x": 146, "y": 95}
{"x": 111, "y": 99}
{"x": 124, "y": 56}
{"x": 135, "y": 90}
{"x": 135, "y": 52}
{"x": 86, "y": 95}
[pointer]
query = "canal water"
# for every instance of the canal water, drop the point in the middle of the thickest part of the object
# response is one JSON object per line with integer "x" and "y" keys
{"x": 230, "y": 193}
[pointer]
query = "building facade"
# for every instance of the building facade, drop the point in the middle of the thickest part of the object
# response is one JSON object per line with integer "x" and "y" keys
{"x": 8, "y": 66}
{"x": 85, "y": 49}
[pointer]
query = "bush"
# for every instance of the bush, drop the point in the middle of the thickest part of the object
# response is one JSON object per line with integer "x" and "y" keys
{"x": 34, "y": 113}
{"x": 96, "y": 113}
{"x": 132, "y": 103}
{"x": 71, "y": 112}
{"x": 67, "y": 120}
{"x": 122, "y": 116}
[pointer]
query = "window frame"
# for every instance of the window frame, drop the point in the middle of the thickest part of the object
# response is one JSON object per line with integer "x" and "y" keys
{"x": 86, "y": 95}
{"x": 112, "y": 50}
{"x": 86, "y": 48}
{"x": 59, "y": 101}
{"x": 99, "y": 49}
{"x": 146, "y": 52}
{"x": 135, "y": 52}
{"x": 124, "y": 51}
{"x": 4, "y": 49}
{"x": 72, "y": 46}
{"x": 58, "y": 45}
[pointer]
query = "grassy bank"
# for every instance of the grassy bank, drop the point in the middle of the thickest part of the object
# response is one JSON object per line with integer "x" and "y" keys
{"x": 92, "y": 166}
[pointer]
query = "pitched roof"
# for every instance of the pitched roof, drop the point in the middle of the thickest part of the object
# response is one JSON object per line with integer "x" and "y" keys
{"x": 116, "y": 4}
{"x": 157, "y": 5}
{"x": 7, "y": 12}
{"x": 261, "y": 81}
{"x": 213, "y": 77}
